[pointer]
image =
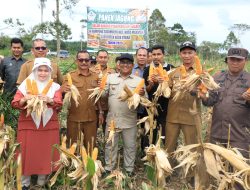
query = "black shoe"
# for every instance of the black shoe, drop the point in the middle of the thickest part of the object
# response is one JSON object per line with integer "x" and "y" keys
{"x": 25, "y": 188}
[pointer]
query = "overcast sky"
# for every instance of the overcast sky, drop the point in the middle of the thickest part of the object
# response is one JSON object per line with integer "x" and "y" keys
{"x": 209, "y": 19}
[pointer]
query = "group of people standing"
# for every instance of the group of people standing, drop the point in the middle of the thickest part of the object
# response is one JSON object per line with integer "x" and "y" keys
{"x": 37, "y": 134}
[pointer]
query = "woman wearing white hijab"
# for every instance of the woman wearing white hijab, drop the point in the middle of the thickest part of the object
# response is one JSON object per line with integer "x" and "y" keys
{"x": 37, "y": 133}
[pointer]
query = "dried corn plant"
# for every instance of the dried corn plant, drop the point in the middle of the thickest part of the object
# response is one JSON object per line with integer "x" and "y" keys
{"x": 200, "y": 80}
{"x": 84, "y": 168}
{"x": 211, "y": 161}
{"x": 117, "y": 176}
{"x": 73, "y": 93}
{"x": 133, "y": 98}
{"x": 158, "y": 159}
{"x": 10, "y": 169}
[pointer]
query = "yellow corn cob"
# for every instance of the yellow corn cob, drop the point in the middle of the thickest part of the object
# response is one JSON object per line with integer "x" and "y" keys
{"x": 165, "y": 75}
{"x": 159, "y": 70}
{"x": 202, "y": 88}
{"x": 84, "y": 155}
{"x": 198, "y": 66}
{"x": 47, "y": 87}
{"x": 28, "y": 86}
{"x": 103, "y": 81}
{"x": 72, "y": 149}
{"x": 139, "y": 87}
{"x": 248, "y": 90}
{"x": 69, "y": 79}
{"x": 183, "y": 71}
{"x": 63, "y": 144}
{"x": 19, "y": 172}
{"x": 1, "y": 121}
{"x": 34, "y": 88}
{"x": 112, "y": 125}
{"x": 94, "y": 154}
{"x": 151, "y": 71}
{"x": 210, "y": 69}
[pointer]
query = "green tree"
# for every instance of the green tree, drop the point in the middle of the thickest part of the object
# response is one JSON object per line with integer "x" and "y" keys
{"x": 157, "y": 31}
{"x": 230, "y": 41}
{"x": 210, "y": 50}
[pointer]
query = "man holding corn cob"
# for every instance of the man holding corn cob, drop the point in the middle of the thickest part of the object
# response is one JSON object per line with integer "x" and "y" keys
{"x": 39, "y": 49}
{"x": 231, "y": 103}
{"x": 152, "y": 81}
{"x": 101, "y": 69}
{"x": 119, "y": 113}
{"x": 38, "y": 133}
{"x": 82, "y": 118}
{"x": 179, "y": 117}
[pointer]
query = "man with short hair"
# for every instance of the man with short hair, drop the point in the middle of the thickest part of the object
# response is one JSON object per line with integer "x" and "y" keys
{"x": 125, "y": 119}
{"x": 10, "y": 66}
{"x": 39, "y": 49}
{"x": 82, "y": 118}
{"x": 231, "y": 103}
{"x": 141, "y": 57}
{"x": 158, "y": 53}
{"x": 179, "y": 117}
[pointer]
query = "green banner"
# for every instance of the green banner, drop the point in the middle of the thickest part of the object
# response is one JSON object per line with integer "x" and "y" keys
{"x": 117, "y": 30}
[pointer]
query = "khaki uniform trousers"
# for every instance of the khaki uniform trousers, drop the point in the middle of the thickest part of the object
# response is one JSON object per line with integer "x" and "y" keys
{"x": 129, "y": 136}
{"x": 88, "y": 128}
{"x": 172, "y": 134}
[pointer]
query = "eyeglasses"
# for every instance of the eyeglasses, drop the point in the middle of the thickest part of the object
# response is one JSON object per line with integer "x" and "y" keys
{"x": 40, "y": 48}
{"x": 83, "y": 60}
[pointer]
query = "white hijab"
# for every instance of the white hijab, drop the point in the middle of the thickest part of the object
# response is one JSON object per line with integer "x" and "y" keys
{"x": 47, "y": 114}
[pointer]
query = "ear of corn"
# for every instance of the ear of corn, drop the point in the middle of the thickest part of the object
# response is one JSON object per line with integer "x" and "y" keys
{"x": 202, "y": 88}
{"x": 34, "y": 88}
{"x": 47, "y": 87}
{"x": 28, "y": 86}
{"x": 159, "y": 70}
{"x": 139, "y": 86}
{"x": 73, "y": 148}
{"x": 94, "y": 154}
{"x": 1, "y": 121}
{"x": 84, "y": 155}
{"x": 69, "y": 79}
{"x": 151, "y": 71}
{"x": 103, "y": 81}
{"x": 19, "y": 172}
{"x": 183, "y": 71}
{"x": 248, "y": 90}
{"x": 198, "y": 66}
{"x": 210, "y": 69}
{"x": 165, "y": 75}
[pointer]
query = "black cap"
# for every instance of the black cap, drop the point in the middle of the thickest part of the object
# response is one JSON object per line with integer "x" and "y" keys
{"x": 187, "y": 44}
{"x": 126, "y": 56}
{"x": 240, "y": 53}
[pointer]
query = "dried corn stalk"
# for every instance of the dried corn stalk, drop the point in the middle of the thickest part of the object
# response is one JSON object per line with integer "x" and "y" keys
{"x": 213, "y": 158}
{"x": 158, "y": 157}
{"x": 192, "y": 82}
{"x": 73, "y": 93}
{"x": 98, "y": 91}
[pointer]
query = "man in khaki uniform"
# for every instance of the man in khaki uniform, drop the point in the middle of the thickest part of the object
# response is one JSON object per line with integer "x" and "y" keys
{"x": 82, "y": 118}
{"x": 39, "y": 49}
{"x": 125, "y": 119}
{"x": 179, "y": 117}
{"x": 102, "y": 68}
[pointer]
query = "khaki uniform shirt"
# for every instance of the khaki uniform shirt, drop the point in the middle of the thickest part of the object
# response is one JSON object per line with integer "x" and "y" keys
{"x": 26, "y": 70}
{"x": 230, "y": 108}
{"x": 118, "y": 110}
{"x": 178, "y": 111}
{"x": 86, "y": 108}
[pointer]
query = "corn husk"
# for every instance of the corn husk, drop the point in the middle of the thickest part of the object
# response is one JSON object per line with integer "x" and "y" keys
{"x": 98, "y": 91}
{"x": 201, "y": 78}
